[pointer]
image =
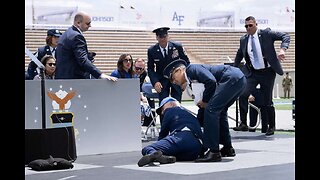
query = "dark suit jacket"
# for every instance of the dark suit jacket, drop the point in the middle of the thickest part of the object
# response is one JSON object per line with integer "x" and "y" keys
{"x": 267, "y": 37}
{"x": 72, "y": 57}
{"x": 42, "y": 51}
{"x": 156, "y": 59}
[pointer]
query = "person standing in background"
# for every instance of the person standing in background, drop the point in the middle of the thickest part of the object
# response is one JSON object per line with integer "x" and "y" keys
{"x": 262, "y": 64}
{"x": 159, "y": 56}
{"x": 287, "y": 85}
{"x": 72, "y": 52}
{"x": 49, "y": 49}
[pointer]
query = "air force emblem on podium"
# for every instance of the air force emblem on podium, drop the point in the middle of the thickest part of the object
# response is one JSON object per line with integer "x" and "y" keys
{"x": 61, "y": 102}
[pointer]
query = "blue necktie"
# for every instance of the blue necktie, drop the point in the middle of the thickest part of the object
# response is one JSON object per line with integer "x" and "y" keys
{"x": 256, "y": 63}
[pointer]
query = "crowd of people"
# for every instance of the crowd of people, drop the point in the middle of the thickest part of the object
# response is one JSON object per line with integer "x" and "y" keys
{"x": 182, "y": 137}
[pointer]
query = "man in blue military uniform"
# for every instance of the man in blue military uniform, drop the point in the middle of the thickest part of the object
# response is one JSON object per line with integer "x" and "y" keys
{"x": 49, "y": 49}
{"x": 180, "y": 137}
{"x": 159, "y": 56}
{"x": 223, "y": 84}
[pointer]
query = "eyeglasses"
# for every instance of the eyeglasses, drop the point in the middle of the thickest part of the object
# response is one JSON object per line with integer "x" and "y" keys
{"x": 88, "y": 23}
{"x": 127, "y": 60}
{"x": 139, "y": 68}
{"x": 248, "y": 25}
{"x": 51, "y": 64}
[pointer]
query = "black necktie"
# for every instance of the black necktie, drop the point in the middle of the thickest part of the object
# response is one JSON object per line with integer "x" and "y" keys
{"x": 53, "y": 50}
{"x": 164, "y": 52}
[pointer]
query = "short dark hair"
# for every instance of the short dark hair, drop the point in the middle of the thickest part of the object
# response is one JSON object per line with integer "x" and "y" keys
{"x": 250, "y": 18}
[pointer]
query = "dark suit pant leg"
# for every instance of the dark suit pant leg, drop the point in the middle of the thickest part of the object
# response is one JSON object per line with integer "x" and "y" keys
{"x": 243, "y": 99}
{"x": 253, "y": 114}
{"x": 243, "y": 107}
{"x": 271, "y": 115}
{"x": 264, "y": 119}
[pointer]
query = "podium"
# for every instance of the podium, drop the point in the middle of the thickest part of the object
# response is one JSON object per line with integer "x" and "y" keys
{"x": 57, "y": 142}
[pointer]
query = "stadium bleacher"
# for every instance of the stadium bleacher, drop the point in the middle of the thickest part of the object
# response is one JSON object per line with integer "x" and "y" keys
{"x": 201, "y": 47}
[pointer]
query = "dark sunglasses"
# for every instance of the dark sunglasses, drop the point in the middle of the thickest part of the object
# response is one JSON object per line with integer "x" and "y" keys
{"x": 139, "y": 68}
{"x": 51, "y": 64}
{"x": 248, "y": 25}
{"x": 127, "y": 60}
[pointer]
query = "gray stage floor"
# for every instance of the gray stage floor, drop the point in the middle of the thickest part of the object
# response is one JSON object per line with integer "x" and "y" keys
{"x": 258, "y": 157}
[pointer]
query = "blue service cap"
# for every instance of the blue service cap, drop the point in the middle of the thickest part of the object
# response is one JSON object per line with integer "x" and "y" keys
{"x": 163, "y": 102}
{"x": 54, "y": 32}
{"x": 167, "y": 71}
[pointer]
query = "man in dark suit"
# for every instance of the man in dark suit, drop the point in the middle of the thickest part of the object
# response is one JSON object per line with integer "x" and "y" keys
{"x": 180, "y": 137}
{"x": 49, "y": 49}
{"x": 159, "y": 56}
{"x": 262, "y": 64}
{"x": 223, "y": 84}
{"x": 73, "y": 61}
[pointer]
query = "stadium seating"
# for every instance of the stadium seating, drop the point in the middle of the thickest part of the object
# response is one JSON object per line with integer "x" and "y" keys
{"x": 201, "y": 47}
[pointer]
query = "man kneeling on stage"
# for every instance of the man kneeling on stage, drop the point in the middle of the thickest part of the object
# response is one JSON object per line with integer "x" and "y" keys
{"x": 180, "y": 137}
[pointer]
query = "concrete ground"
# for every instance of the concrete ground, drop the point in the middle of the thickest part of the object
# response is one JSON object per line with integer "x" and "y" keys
{"x": 257, "y": 157}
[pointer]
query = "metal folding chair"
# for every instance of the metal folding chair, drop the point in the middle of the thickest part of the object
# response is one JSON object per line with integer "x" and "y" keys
{"x": 149, "y": 92}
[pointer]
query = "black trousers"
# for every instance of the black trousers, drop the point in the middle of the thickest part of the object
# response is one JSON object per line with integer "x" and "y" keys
{"x": 266, "y": 80}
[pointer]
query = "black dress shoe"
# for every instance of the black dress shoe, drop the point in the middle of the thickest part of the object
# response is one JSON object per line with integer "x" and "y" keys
{"x": 210, "y": 157}
{"x": 203, "y": 152}
{"x": 227, "y": 152}
{"x": 163, "y": 159}
{"x": 270, "y": 132}
{"x": 146, "y": 159}
{"x": 241, "y": 127}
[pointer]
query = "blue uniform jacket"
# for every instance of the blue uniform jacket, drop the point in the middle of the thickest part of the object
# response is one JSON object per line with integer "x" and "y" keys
{"x": 175, "y": 119}
{"x": 158, "y": 62}
{"x": 211, "y": 76}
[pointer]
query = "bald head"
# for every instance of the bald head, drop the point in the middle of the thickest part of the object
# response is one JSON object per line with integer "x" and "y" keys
{"x": 82, "y": 20}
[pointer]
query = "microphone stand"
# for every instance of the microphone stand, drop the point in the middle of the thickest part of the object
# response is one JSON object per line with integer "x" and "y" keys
{"x": 43, "y": 99}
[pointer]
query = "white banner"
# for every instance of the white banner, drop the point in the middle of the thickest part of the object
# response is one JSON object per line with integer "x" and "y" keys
{"x": 178, "y": 14}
